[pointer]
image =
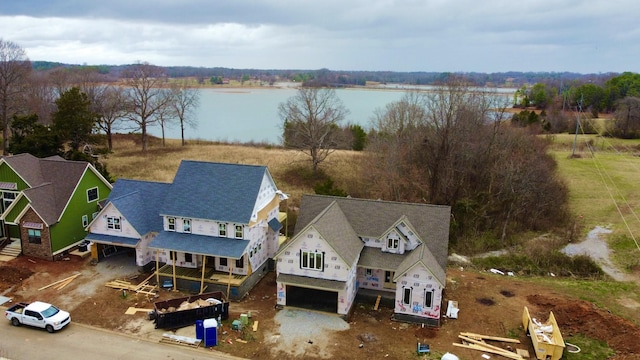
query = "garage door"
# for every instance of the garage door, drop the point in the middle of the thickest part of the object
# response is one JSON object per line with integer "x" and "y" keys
{"x": 314, "y": 299}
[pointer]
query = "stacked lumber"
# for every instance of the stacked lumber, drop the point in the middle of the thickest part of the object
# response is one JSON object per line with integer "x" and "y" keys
{"x": 478, "y": 342}
{"x": 143, "y": 288}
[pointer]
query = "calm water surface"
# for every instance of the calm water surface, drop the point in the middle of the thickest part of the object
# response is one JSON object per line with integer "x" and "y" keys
{"x": 251, "y": 115}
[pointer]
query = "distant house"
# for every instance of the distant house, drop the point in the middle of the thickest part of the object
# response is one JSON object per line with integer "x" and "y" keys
{"x": 47, "y": 203}
{"x": 216, "y": 226}
{"x": 343, "y": 246}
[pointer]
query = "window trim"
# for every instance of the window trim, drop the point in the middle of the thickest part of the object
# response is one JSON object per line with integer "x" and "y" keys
{"x": 186, "y": 225}
{"x": 114, "y": 223}
{"x": 393, "y": 243}
{"x": 222, "y": 230}
{"x": 312, "y": 260}
{"x": 406, "y": 295}
{"x": 7, "y": 201}
{"x": 33, "y": 238}
{"x": 85, "y": 221}
{"x": 368, "y": 272}
{"x": 226, "y": 261}
{"x": 240, "y": 263}
{"x": 89, "y": 200}
{"x": 432, "y": 294}
{"x": 239, "y": 231}
{"x": 188, "y": 257}
{"x": 171, "y": 224}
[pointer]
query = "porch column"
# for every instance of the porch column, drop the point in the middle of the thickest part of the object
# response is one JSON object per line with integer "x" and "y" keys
{"x": 204, "y": 261}
{"x": 157, "y": 270}
{"x": 173, "y": 260}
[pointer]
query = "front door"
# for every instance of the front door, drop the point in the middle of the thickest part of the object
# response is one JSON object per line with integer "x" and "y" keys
{"x": 388, "y": 280}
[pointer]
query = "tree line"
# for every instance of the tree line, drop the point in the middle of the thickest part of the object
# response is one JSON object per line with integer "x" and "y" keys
{"x": 617, "y": 95}
{"x": 62, "y": 110}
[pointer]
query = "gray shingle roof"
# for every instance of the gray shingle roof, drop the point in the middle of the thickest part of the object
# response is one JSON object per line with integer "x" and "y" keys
{"x": 139, "y": 201}
{"x": 372, "y": 218}
{"x": 52, "y": 181}
{"x": 374, "y": 258}
{"x": 422, "y": 255}
{"x": 200, "y": 244}
{"x": 217, "y": 191}
{"x": 338, "y": 233}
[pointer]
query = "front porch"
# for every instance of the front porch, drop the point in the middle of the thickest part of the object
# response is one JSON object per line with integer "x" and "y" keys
{"x": 197, "y": 281}
{"x": 210, "y": 275}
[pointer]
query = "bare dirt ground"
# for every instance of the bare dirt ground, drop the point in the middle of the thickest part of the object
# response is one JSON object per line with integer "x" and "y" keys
{"x": 489, "y": 304}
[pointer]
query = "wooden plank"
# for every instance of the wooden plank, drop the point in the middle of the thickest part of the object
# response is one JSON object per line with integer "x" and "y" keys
{"x": 487, "y": 337}
{"x": 375, "y": 307}
{"x": 255, "y": 326}
{"x": 487, "y": 346}
{"x": 62, "y": 285}
{"x": 59, "y": 282}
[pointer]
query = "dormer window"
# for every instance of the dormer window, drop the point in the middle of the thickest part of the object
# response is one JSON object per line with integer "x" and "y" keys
{"x": 222, "y": 229}
{"x": 171, "y": 224}
{"x": 393, "y": 244}
{"x": 186, "y": 225}
{"x": 239, "y": 232}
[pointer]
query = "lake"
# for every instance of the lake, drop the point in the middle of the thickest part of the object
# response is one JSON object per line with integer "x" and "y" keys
{"x": 251, "y": 115}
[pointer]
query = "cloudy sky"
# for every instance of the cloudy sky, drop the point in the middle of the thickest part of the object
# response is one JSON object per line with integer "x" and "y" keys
{"x": 585, "y": 36}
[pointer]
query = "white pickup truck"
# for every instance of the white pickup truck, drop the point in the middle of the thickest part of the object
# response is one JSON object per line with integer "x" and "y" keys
{"x": 38, "y": 314}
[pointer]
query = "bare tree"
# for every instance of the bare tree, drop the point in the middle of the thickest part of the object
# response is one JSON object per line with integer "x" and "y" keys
{"x": 14, "y": 73}
{"x": 452, "y": 147}
{"x": 41, "y": 97}
{"x": 111, "y": 109}
{"x": 185, "y": 101}
{"x": 147, "y": 95}
{"x": 310, "y": 122}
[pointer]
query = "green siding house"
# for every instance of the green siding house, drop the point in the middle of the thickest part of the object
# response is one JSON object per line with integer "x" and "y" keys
{"x": 47, "y": 203}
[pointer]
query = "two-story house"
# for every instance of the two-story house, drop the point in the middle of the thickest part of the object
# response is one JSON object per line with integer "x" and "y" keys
{"x": 47, "y": 203}
{"x": 215, "y": 227}
{"x": 344, "y": 245}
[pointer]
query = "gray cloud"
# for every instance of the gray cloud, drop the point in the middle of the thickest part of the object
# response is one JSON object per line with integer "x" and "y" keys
{"x": 401, "y": 35}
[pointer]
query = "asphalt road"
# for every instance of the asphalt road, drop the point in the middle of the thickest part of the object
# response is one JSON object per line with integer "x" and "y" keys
{"x": 77, "y": 341}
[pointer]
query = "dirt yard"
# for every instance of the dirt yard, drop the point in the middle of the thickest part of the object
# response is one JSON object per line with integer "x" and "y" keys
{"x": 489, "y": 304}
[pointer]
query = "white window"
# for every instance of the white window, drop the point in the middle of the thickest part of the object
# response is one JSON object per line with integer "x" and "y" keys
{"x": 85, "y": 221}
{"x": 428, "y": 298}
{"x": 113, "y": 223}
{"x": 222, "y": 229}
{"x": 7, "y": 199}
{"x": 368, "y": 272}
{"x": 171, "y": 224}
{"x": 312, "y": 260}
{"x": 393, "y": 243}
{"x": 406, "y": 296}
{"x": 92, "y": 194}
{"x": 186, "y": 226}
{"x": 239, "y": 232}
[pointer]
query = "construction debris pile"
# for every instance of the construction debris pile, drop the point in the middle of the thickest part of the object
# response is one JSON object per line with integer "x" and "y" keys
{"x": 186, "y": 305}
